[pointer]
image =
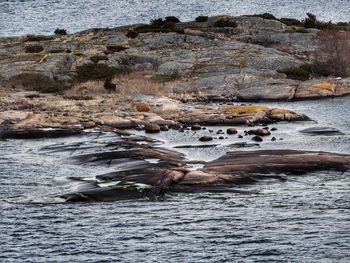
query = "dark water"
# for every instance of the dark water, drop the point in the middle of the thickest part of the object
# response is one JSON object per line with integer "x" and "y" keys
{"x": 19, "y": 17}
{"x": 305, "y": 219}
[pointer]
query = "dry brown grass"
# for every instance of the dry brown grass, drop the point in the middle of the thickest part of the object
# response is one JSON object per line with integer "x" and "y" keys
{"x": 130, "y": 84}
{"x": 86, "y": 90}
{"x": 139, "y": 82}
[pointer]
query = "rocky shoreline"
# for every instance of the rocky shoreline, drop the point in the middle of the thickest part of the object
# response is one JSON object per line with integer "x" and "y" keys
{"x": 167, "y": 75}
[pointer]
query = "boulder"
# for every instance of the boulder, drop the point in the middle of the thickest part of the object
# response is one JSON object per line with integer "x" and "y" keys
{"x": 196, "y": 127}
{"x": 152, "y": 128}
{"x": 259, "y": 132}
{"x": 231, "y": 131}
{"x": 143, "y": 106}
{"x": 117, "y": 122}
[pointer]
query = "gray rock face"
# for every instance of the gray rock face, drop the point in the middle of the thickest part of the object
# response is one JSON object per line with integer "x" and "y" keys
{"x": 275, "y": 89}
{"x": 257, "y": 23}
{"x": 206, "y": 59}
{"x": 161, "y": 40}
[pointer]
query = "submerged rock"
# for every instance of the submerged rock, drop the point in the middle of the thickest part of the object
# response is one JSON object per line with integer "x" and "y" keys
{"x": 205, "y": 138}
{"x": 322, "y": 131}
{"x": 257, "y": 138}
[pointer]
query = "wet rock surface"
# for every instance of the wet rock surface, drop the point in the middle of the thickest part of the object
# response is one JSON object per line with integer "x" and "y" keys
{"x": 143, "y": 169}
{"x": 322, "y": 131}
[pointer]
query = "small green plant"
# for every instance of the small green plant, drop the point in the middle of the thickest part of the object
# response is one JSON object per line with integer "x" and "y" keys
{"x": 98, "y": 58}
{"x": 202, "y": 19}
{"x": 32, "y": 38}
{"x": 93, "y": 71}
{"x": 225, "y": 22}
{"x": 33, "y": 49}
{"x": 60, "y": 32}
{"x": 166, "y": 77}
{"x": 2, "y": 77}
{"x": 117, "y": 48}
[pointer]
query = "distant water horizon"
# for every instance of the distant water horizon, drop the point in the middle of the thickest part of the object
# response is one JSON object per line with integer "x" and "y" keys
{"x": 22, "y": 17}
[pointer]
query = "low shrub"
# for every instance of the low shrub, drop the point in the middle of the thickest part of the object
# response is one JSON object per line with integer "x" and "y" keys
{"x": 98, "y": 58}
{"x": 93, "y": 71}
{"x": 225, "y": 22}
{"x": 37, "y": 82}
{"x": 109, "y": 86}
{"x": 60, "y": 32}
{"x": 172, "y": 19}
{"x": 202, "y": 19}
{"x": 298, "y": 73}
{"x": 265, "y": 16}
{"x": 132, "y": 33}
{"x": 166, "y": 77}
{"x": 33, "y": 49}
{"x": 117, "y": 48}
{"x": 291, "y": 22}
{"x": 310, "y": 21}
{"x": 33, "y": 38}
{"x": 165, "y": 28}
{"x": 157, "y": 22}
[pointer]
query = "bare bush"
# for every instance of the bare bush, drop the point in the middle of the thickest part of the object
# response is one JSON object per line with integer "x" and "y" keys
{"x": 333, "y": 56}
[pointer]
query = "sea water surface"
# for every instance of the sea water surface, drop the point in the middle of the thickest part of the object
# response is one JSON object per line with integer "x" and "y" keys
{"x": 304, "y": 219}
{"x": 20, "y": 17}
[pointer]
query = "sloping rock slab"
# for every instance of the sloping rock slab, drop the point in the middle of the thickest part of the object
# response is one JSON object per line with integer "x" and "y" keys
{"x": 276, "y": 161}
